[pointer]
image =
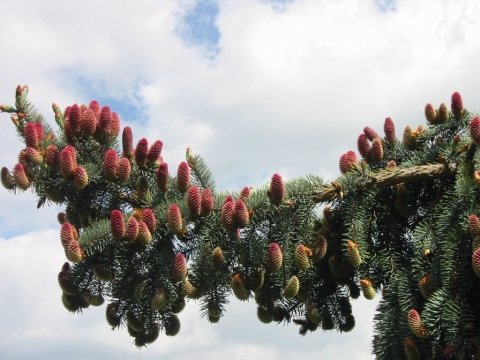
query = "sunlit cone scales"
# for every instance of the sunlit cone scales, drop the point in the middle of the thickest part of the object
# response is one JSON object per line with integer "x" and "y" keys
{"x": 476, "y": 262}
{"x": 227, "y": 215}
{"x": 238, "y": 288}
{"x": 353, "y": 254}
{"x": 22, "y": 159}
{"x": 68, "y": 161}
{"x": 110, "y": 163}
{"x": 80, "y": 177}
{"x": 264, "y": 315}
{"x": 117, "y": 225}
{"x": 194, "y": 201}
{"x": 291, "y": 290}
{"x": 183, "y": 177}
{"x": 207, "y": 202}
{"x": 158, "y": 300}
{"x": 144, "y": 236}
{"x": 74, "y": 253}
{"x": 102, "y": 273}
{"x": 414, "y": 321}
{"x": 66, "y": 284}
{"x": 475, "y": 130}
{"x": 115, "y": 125}
{"x": 172, "y": 325}
{"x": 377, "y": 150}
{"x": 370, "y": 133}
{"x": 7, "y": 179}
{"x": 20, "y": 177}
{"x": 245, "y": 193}
{"x": 179, "y": 270}
{"x": 277, "y": 189}
{"x": 154, "y": 152}
{"x": 457, "y": 106}
{"x": 347, "y": 160}
{"x": 275, "y": 258}
{"x": 143, "y": 191}
{"x": 348, "y": 325}
{"x": 89, "y": 123}
{"x": 141, "y": 152}
{"x": 33, "y": 156}
{"x": 134, "y": 322}
{"x": 474, "y": 225}
{"x": 123, "y": 170}
{"x": 319, "y": 248}
{"x": 30, "y": 134}
{"x": 162, "y": 177}
{"x": 105, "y": 120}
{"x": 430, "y": 114}
{"x": 174, "y": 218}
{"x": 94, "y": 300}
{"x": 411, "y": 349}
{"x": 301, "y": 257}
{"x": 363, "y": 145}
{"x": 240, "y": 214}
{"x": 150, "y": 219}
{"x": 217, "y": 258}
{"x": 367, "y": 289}
{"x": 61, "y": 218}
{"x": 178, "y": 305}
{"x": 256, "y": 279}
{"x": 51, "y": 156}
{"x": 131, "y": 232}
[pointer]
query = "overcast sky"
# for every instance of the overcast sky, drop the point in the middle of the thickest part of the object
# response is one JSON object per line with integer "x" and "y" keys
{"x": 257, "y": 87}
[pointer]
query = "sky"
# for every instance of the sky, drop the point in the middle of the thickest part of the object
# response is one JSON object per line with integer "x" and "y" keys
{"x": 256, "y": 87}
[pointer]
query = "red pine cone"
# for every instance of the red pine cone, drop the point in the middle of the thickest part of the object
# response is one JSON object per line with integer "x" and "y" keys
{"x": 75, "y": 119}
{"x": 174, "y": 218}
{"x": 346, "y": 161}
{"x": 457, "y": 105}
{"x": 115, "y": 127}
{"x": 228, "y": 198}
{"x": 474, "y": 225}
{"x": 110, "y": 163}
{"x": 162, "y": 177}
{"x": 7, "y": 179}
{"x": 141, "y": 152}
{"x": 144, "y": 236}
{"x": 275, "y": 258}
{"x": 370, "y": 133}
{"x": 277, "y": 189}
{"x": 476, "y": 262}
{"x": 66, "y": 234}
{"x": 117, "y": 225}
{"x": 51, "y": 155}
{"x": 430, "y": 114}
{"x": 240, "y": 214}
{"x": 33, "y": 156}
{"x": 207, "y": 202}
{"x": 95, "y": 107}
{"x": 20, "y": 177}
{"x": 389, "y": 129}
{"x": 179, "y": 271}
{"x": 105, "y": 121}
{"x": 89, "y": 122}
{"x": 80, "y": 177}
{"x": 123, "y": 170}
{"x": 68, "y": 161}
{"x": 391, "y": 164}
{"x": 66, "y": 113}
{"x": 30, "y": 134}
{"x": 414, "y": 321}
{"x": 154, "y": 152}
{"x": 40, "y": 132}
{"x": 69, "y": 135}
{"x": 150, "y": 220}
{"x": 74, "y": 253}
{"x": 377, "y": 150}
{"x": 127, "y": 142}
{"x": 183, "y": 177}
{"x": 227, "y": 215}
{"x": 442, "y": 114}
{"x": 245, "y": 193}
{"x": 475, "y": 130}
{"x": 131, "y": 232}
{"x": 194, "y": 201}
{"x": 363, "y": 145}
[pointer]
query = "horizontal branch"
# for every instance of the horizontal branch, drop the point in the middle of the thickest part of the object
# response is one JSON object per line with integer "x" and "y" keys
{"x": 392, "y": 177}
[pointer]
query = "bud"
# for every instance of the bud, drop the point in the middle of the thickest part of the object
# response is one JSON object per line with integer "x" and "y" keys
{"x": 20, "y": 177}
{"x": 7, "y": 179}
{"x": 277, "y": 189}
{"x": 240, "y": 214}
{"x": 377, "y": 150}
{"x": 194, "y": 201}
{"x": 172, "y": 325}
{"x": 476, "y": 262}
{"x": 475, "y": 130}
{"x": 245, "y": 193}
{"x": 353, "y": 254}
{"x": 131, "y": 232}
{"x": 105, "y": 120}
{"x": 346, "y": 161}
{"x": 474, "y": 225}
{"x": 239, "y": 289}
{"x": 363, "y": 146}
{"x": 301, "y": 257}
{"x": 414, "y": 321}
{"x": 430, "y": 114}
{"x": 442, "y": 114}
{"x": 115, "y": 127}
{"x": 227, "y": 215}
{"x": 183, "y": 177}
{"x": 68, "y": 161}
{"x": 110, "y": 163}
{"x": 370, "y": 133}
{"x": 217, "y": 258}
{"x": 30, "y": 135}
{"x": 144, "y": 236}
{"x": 154, "y": 152}
{"x": 367, "y": 289}
{"x": 150, "y": 220}
{"x": 264, "y": 315}
{"x": 174, "y": 218}
{"x": 207, "y": 202}
{"x": 179, "y": 271}
{"x": 457, "y": 106}
{"x": 141, "y": 152}
{"x": 319, "y": 248}
{"x": 275, "y": 258}
{"x": 158, "y": 300}
{"x": 52, "y": 156}
{"x": 291, "y": 290}
{"x": 411, "y": 349}
{"x": 389, "y": 129}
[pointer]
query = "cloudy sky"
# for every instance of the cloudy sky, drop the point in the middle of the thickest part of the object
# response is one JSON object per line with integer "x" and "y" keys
{"x": 255, "y": 86}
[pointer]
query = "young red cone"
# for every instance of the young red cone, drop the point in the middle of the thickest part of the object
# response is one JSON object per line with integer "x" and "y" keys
{"x": 162, "y": 177}
{"x": 476, "y": 262}
{"x": 227, "y": 215}
{"x": 377, "y": 150}
{"x": 131, "y": 231}
{"x": 80, "y": 177}
{"x": 245, "y": 193}
{"x": 51, "y": 156}
{"x": 40, "y": 132}
{"x": 7, "y": 179}
{"x": 414, "y": 321}
{"x": 123, "y": 170}
{"x": 66, "y": 234}
{"x": 363, "y": 145}
{"x": 150, "y": 220}
{"x": 183, "y": 177}
{"x": 68, "y": 161}
{"x": 475, "y": 130}
{"x": 474, "y": 225}
{"x": 457, "y": 106}
{"x": 207, "y": 202}
{"x": 154, "y": 152}
{"x": 117, "y": 224}
{"x": 240, "y": 214}
{"x": 389, "y": 129}
{"x": 346, "y": 161}
{"x": 277, "y": 189}
{"x": 105, "y": 120}
{"x": 95, "y": 107}
{"x": 180, "y": 269}
{"x": 20, "y": 177}
{"x": 75, "y": 119}
{"x": 110, "y": 163}
{"x": 89, "y": 122}
{"x": 144, "y": 236}
{"x": 174, "y": 218}
{"x": 115, "y": 125}
{"x": 194, "y": 201}
{"x": 141, "y": 152}
{"x": 370, "y": 133}
{"x": 30, "y": 135}
{"x": 442, "y": 114}
{"x": 275, "y": 258}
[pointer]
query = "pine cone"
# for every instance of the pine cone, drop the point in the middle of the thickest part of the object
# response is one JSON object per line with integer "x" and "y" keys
{"x": 367, "y": 289}
{"x": 75, "y": 119}
{"x": 475, "y": 130}
{"x": 291, "y": 290}
{"x": 474, "y": 225}
{"x": 353, "y": 254}
{"x": 183, "y": 177}
{"x": 80, "y": 177}
{"x": 414, "y": 321}
{"x": 245, "y": 193}
{"x": 141, "y": 152}
{"x": 7, "y": 179}
{"x": 370, "y": 133}
{"x": 194, "y": 201}
{"x": 411, "y": 349}
{"x": 363, "y": 146}
{"x": 159, "y": 299}
{"x": 389, "y": 130}
{"x": 89, "y": 122}
{"x": 127, "y": 142}
{"x": 144, "y": 236}
{"x": 174, "y": 218}
{"x": 51, "y": 156}
{"x": 150, "y": 220}
{"x": 162, "y": 177}
{"x": 95, "y": 107}
{"x": 430, "y": 114}
{"x": 131, "y": 231}
{"x": 20, "y": 177}
{"x": 117, "y": 224}
{"x": 227, "y": 215}
{"x": 68, "y": 161}
{"x": 172, "y": 325}
{"x": 301, "y": 257}
{"x": 239, "y": 289}
{"x": 346, "y": 161}
{"x": 30, "y": 135}
{"x": 377, "y": 150}
{"x": 123, "y": 170}
{"x": 457, "y": 106}
{"x": 110, "y": 163}
{"x": 275, "y": 258}
{"x": 240, "y": 214}
{"x": 264, "y": 315}
{"x": 277, "y": 189}
{"x": 319, "y": 248}
{"x": 207, "y": 202}
{"x": 115, "y": 125}
{"x": 154, "y": 152}
{"x": 217, "y": 258}
{"x": 33, "y": 156}
{"x": 105, "y": 120}
{"x": 179, "y": 271}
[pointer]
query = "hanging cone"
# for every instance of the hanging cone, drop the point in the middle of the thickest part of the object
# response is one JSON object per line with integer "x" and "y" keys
{"x": 190, "y": 291}
{"x": 264, "y": 315}
{"x": 134, "y": 322}
{"x": 377, "y": 150}
{"x": 414, "y": 321}
{"x": 240, "y": 214}
{"x": 367, "y": 289}
{"x": 102, "y": 273}
{"x": 150, "y": 219}
{"x": 115, "y": 125}
{"x": 131, "y": 231}
{"x": 194, "y": 201}
{"x": 183, "y": 177}
{"x": 154, "y": 152}
{"x": 389, "y": 129}
{"x": 51, "y": 156}
{"x": 105, "y": 120}
{"x": 179, "y": 271}
{"x": 411, "y": 349}
{"x": 127, "y": 142}
{"x": 275, "y": 258}
{"x": 112, "y": 315}
{"x": 353, "y": 254}
{"x": 217, "y": 258}
{"x": 301, "y": 257}
{"x": 159, "y": 299}
{"x": 139, "y": 287}
{"x": 74, "y": 253}
{"x": 141, "y": 152}
{"x": 66, "y": 283}
{"x": 94, "y": 300}
{"x": 162, "y": 177}
{"x": 363, "y": 145}
{"x": 123, "y": 170}
{"x": 7, "y": 179}
{"x": 319, "y": 248}
{"x": 20, "y": 177}
{"x": 277, "y": 189}
{"x": 110, "y": 163}
{"x": 174, "y": 218}
{"x": 144, "y": 236}
{"x": 239, "y": 289}
{"x": 227, "y": 215}
{"x": 207, "y": 202}
{"x": 291, "y": 290}
{"x": 256, "y": 279}
{"x": 457, "y": 106}
{"x": 172, "y": 325}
